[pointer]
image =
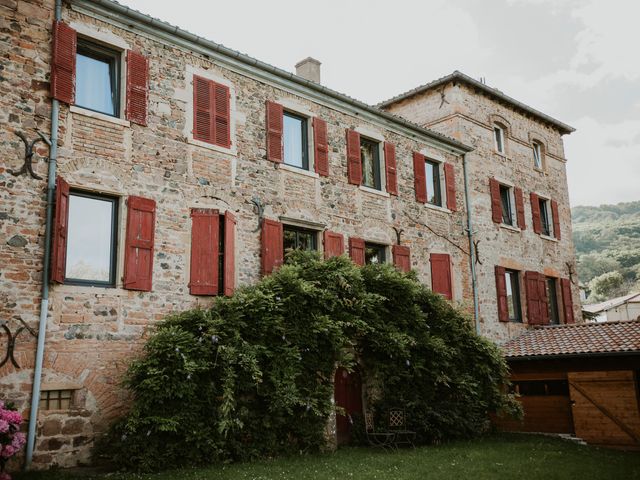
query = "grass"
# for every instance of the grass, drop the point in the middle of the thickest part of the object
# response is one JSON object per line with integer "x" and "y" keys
{"x": 506, "y": 456}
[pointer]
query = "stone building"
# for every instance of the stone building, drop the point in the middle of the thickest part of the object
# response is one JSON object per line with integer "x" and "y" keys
{"x": 184, "y": 169}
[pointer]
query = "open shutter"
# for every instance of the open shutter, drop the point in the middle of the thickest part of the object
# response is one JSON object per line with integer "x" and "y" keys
{"x": 419, "y": 177}
{"x": 229, "y": 283}
{"x": 63, "y": 63}
{"x": 535, "y": 213}
{"x": 356, "y": 250}
{"x": 321, "y": 147}
{"x": 205, "y": 231}
{"x": 544, "y": 300}
{"x": 202, "y": 110}
{"x": 450, "y": 182}
{"x": 533, "y": 298}
{"x": 496, "y": 204}
{"x": 60, "y": 230}
{"x": 390, "y": 168}
{"x": 441, "y": 274}
{"x": 354, "y": 163}
{"x": 275, "y": 128}
{"x": 567, "y": 301}
{"x": 333, "y": 244}
{"x": 222, "y": 113}
{"x": 556, "y": 219}
{"x": 401, "y": 257}
{"x": 137, "y": 87}
{"x": 138, "y": 256}
{"x": 517, "y": 192}
{"x": 272, "y": 246}
{"x": 501, "y": 290}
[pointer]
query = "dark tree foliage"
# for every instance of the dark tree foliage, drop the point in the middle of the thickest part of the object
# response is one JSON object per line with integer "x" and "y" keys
{"x": 253, "y": 376}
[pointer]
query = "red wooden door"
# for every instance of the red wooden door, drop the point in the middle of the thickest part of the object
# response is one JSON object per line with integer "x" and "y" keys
{"x": 348, "y": 395}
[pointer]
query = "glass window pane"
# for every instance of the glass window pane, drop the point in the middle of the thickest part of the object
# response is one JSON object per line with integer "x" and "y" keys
{"x": 433, "y": 183}
{"x": 552, "y": 298}
{"x": 537, "y": 156}
{"x": 374, "y": 253}
{"x": 94, "y": 83}
{"x": 90, "y": 239}
{"x": 544, "y": 217}
{"x": 294, "y": 141}
{"x": 505, "y": 197}
{"x": 370, "y": 163}
{"x": 301, "y": 238}
{"x": 499, "y": 139}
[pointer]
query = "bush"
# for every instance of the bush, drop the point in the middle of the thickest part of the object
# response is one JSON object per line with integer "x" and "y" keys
{"x": 253, "y": 376}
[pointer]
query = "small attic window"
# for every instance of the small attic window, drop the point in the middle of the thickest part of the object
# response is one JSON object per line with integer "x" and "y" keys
{"x": 498, "y": 135}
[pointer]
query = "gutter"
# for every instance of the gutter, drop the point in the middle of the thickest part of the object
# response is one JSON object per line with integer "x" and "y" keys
{"x": 472, "y": 250}
{"x": 44, "y": 303}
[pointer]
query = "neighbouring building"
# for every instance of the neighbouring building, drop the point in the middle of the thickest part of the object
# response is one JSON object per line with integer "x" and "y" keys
{"x": 621, "y": 308}
{"x": 185, "y": 169}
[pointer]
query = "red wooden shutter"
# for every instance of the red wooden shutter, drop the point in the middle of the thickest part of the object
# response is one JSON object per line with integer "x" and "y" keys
{"x": 205, "y": 231}
{"x": 535, "y": 213}
{"x": 229, "y": 253}
{"x": 390, "y": 168}
{"x": 272, "y": 246}
{"x": 333, "y": 244}
{"x": 63, "y": 63}
{"x": 556, "y": 219}
{"x": 138, "y": 256}
{"x": 275, "y": 128}
{"x": 567, "y": 300}
{"x": 137, "y": 87}
{"x": 60, "y": 230}
{"x": 517, "y": 192}
{"x": 321, "y": 147}
{"x": 222, "y": 115}
{"x": 354, "y": 163}
{"x": 356, "y": 250}
{"x": 533, "y": 298}
{"x": 202, "y": 110}
{"x": 450, "y": 182}
{"x": 420, "y": 177}
{"x": 501, "y": 290}
{"x": 401, "y": 257}
{"x": 441, "y": 274}
{"x": 496, "y": 203}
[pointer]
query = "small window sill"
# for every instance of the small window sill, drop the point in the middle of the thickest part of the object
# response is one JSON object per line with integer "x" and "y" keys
{"x": 210, "y": 146}
{"x": 539, "y": 170}
{"x": 437, "y": 208}
{"x": 297, "y": 170}
{"x": 548, "y": 238}
{"x": 510, "y": 228}
{"x": 373, "y": 191}
{"x": 100, "y": 116}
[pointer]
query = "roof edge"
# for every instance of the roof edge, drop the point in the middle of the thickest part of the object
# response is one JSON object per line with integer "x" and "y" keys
{"x": 560, "y": 356}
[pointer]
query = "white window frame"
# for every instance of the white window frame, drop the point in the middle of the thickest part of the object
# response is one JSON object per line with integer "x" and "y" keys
{"x": 537, "y": 155}
{"x": 547, "y": 207}
{"x": 498, "y": 130}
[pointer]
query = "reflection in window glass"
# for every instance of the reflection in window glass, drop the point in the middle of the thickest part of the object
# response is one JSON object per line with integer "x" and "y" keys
{"x": 544, "y": 216}
{"x": 295, "y": 141}
{"x": 299, "y": 238}
{"x": 499, "y": 138}
{"x": 505, "y": 198}
{"x": 554, "y": 317}
{"x": 513, "y": 295}
{"x": 370, "y": 157}
{"x": 537, "y": 156}
{"x": 374, "y": 253}
{"x": 96, "y": 79}
{"x": 433, "y": 183}
{"x": 90, "y": 239}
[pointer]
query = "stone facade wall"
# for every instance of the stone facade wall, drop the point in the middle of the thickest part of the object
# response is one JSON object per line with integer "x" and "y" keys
{"x": 93, "y": 332}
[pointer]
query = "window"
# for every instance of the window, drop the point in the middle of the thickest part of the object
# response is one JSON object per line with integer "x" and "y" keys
{"x": 545, "y": 223}
{"x": 531, "y": 388}
{"x": 434, "y": 195}
{"x": 513, "y": 295}
{"x": 295, "y": 141}
{"x": 374, "y": 253}
{"x": 98, "y": 78}
{"x": 299, "y": 238}
{"x": 370, "y": 158}
{"x": 552, "y": 301}
{"x": 56, "y": 399}
{"x": 498, "y": 134}
{"x": 507, "y": 208}
{"x": 537, "y": 155}
{"x": 91, "y": 239}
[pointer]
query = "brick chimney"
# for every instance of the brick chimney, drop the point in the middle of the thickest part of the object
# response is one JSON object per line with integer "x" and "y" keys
{"x": 309, "y": 68}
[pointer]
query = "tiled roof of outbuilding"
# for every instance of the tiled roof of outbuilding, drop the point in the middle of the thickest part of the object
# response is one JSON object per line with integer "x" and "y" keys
{"x": 578, "y": 339}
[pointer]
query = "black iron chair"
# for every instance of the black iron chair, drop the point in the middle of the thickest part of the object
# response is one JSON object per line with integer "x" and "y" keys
{"x": 384, "y": 440}
{"x": 398, "y": 426}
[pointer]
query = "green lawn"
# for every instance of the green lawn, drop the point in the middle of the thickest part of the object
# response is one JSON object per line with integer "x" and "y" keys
{"x": 507, "y": 456}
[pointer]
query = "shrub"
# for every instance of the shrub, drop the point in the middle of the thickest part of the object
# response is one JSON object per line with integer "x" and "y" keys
{"x": 11, "y": 439}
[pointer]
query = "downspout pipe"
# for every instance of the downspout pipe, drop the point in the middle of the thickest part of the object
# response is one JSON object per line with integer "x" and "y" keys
{"x": 44, "y": 303}
{"x": 472, "y": 249}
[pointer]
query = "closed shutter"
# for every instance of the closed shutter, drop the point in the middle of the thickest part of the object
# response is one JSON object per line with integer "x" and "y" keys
{"x": 138, "y": 256}
{"x": 533, "y": 298}
{"x": 354, "y": 164}
{"x": 390, "y": 168}
{"x": 222, "y": 115}
{"x": 321, "y": 147}
{"x": 137, "y": 87}
{"x": 202, "y": 110}
{"x": 544, "y": 299}
{"x": 272, "y": 246}
{"x": 496, "y": 203}
{"x": 419, "y": 177}
{"x": 556, "y": 219}
{"x": 401, "y": 257}
{"x": 333, "y": 244}
{"x": 356, "y": 250}
{"x": 275, "y": 128}
{"x": 450, "y": 182}
{"x": 60, "y": 231}
{"x": 517, "y": 192}
{"x": 205, "y": 231}
{"x": 501, "y": 290}
{"x": 441, "y": 274}
{"x": 535, "y": 213}
{"x": 229, "y": 253}
{"x": 567, "y": 301}
{"x": 63, "y": 63}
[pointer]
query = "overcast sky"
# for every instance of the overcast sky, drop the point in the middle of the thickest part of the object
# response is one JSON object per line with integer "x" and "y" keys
{"x": 576, "y": 60}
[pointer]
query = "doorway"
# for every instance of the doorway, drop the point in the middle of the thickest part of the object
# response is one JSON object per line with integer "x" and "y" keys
{"x": 348, "y": 396}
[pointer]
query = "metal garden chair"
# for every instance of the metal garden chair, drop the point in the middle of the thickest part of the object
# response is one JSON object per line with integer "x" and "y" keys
{"x": 384, "y": 440}
{"x": 398, "y": 426}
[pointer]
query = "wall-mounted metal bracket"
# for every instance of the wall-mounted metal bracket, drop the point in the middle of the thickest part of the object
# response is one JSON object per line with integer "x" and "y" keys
{"x": 27, "y": 167}
{"x": 399, "y": 232}
{"x": 260, "y": 206}
{"x": 11, "y": 341}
